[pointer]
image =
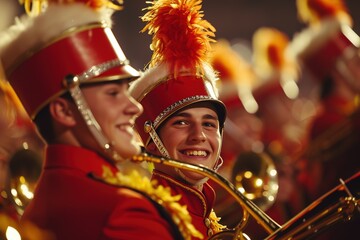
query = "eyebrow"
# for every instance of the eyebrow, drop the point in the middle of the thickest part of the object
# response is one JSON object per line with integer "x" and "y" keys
{"x": 206, "y": 116}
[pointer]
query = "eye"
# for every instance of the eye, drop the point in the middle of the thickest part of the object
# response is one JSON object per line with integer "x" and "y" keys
{"x": 211, "y": 124}
{"x": 179, "y": 122}
{"x": 113, "y": 92}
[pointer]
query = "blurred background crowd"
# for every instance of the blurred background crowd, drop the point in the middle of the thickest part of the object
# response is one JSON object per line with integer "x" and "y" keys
{"x": 301, "y": 120}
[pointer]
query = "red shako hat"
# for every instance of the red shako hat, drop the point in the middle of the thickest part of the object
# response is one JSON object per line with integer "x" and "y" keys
{"x": 236, "y": 74}
{"x": 328, "y": 38}
{"x": 274, "y": 65}
{"x": 67, "y": 38}
{"x": 179, "y": 73}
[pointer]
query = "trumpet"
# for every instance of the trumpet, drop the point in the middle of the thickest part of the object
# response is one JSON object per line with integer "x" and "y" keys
{"x": 269, "y": 224}
{"x": 344, "y": 203}
{"x": 341, "y": 203}
{"x": 24, "y": 171}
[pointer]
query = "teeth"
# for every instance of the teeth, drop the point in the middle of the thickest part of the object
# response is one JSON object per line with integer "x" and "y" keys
{"x": 196, "y": 153}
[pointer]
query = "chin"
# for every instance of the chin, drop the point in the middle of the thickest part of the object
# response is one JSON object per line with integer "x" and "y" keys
{"x": 130, "y": 151}
{"x": 194, "y": 176}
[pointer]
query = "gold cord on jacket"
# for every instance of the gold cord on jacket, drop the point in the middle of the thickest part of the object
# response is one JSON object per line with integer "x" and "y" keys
{"x": 160, "y": 194}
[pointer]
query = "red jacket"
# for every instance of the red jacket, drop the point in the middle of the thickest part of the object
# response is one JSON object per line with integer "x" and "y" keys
{"x": 73, "y": 205}
{"x": 199, "y": 204}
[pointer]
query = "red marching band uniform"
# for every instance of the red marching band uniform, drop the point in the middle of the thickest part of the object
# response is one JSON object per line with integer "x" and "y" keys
{"x": 328, "y": 50}
{"x": 79, "y": 195}
{"x": 179, "y": 76}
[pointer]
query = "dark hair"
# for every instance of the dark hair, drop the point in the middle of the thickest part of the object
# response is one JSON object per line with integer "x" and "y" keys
{"x": 44, "y": 123}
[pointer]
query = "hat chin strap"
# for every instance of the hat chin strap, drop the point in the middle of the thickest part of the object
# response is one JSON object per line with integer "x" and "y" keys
{"x": 90, "y": 120}
{"x": 149, "y": 128}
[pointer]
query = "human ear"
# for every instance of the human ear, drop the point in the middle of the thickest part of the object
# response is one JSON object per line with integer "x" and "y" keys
{"x": 62, "y": 112}
{"x": 219, "y": 162}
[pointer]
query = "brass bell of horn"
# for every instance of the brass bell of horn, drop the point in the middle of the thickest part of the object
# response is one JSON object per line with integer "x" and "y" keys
{"x": 255, "y": 176}
{"x": 25, "y": 168}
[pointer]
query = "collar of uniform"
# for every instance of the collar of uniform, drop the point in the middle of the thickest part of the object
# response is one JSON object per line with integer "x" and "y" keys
{"x": 68, "y": 156}
{"x": 198, "y": 203}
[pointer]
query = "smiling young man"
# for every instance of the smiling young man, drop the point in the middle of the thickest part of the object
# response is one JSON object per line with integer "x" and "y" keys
{"x": 191, "y": 135}
{"x": 72, "y": 78}
{"x": 183, "y": 118}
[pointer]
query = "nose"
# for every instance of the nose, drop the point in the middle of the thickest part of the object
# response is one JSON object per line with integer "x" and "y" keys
{"x": 197, "y": 133}
{"x": 134, "y": 108}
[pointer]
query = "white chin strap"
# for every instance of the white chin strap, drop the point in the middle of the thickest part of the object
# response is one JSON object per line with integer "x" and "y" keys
{"x": 92, "y": 124}
{"x": 72, "y": 83}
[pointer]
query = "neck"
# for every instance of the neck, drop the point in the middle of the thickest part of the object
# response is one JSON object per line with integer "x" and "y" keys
{"x": 198, "y": 184}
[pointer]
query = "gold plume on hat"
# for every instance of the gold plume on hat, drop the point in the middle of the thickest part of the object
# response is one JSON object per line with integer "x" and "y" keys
{"x": 314, "y": 11}
{"x": 272, "y": 59}
{"x": 181, "y": 38}
{"x": 229, "y": 64}
{"x": 269, "y": 46}
{"x": 236, "y": 74}
{"x": 35, "y": 7}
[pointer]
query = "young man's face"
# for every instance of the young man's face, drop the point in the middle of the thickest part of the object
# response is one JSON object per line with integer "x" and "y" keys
{"x": 115, "y": 111}
{"x": 192, "y": 135}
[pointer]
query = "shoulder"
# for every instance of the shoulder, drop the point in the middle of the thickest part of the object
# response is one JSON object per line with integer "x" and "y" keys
{"x": 136, "y": 215}
{"x": 148, "y": 206}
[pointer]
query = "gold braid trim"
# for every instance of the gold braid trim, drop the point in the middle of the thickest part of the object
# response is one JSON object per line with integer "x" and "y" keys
{"x": 158, "y": 193}
{"x": 214, "y": 223}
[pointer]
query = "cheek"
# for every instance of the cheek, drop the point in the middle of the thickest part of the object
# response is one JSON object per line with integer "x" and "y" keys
{"x": 170, "y": 139}
{"x": 106, "y": 119}
{"x": 216, "y": 140}
{"x": 106, "y": 112}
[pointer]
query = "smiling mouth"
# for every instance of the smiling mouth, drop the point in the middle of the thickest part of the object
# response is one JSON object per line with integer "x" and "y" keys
{"x": 197, "y": 153}
{"x": 126, "y": 128}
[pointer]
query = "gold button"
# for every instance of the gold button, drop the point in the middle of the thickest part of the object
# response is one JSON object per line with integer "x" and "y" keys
{"x": 207, "y": 222}
{"x": 210, "y": 232}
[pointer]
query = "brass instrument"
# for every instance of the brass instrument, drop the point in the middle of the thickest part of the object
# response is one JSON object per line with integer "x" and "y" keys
{"x": 255, "y": 176}
{"x": 342, "y": 203}
{"x": 24, "y": 168}
{"x": 269, "y": 225}
{"x": 339, "y": 204}
{"x": 335, "y": 141}
{"x": 24, "y": 171}
{"x": 11, "y": 229}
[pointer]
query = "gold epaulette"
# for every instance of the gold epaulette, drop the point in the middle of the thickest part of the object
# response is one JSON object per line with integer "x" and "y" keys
{"x": 215, "y": 226}
{"x": 158, "y": 193}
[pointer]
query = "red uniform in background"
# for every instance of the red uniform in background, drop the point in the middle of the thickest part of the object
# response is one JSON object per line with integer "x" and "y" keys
{"x": 329, "y": 50}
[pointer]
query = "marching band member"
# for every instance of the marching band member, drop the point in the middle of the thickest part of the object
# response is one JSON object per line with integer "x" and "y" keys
{"x": 183, "y": 118}
{"x": 72, "y": 77}
{"x": 328, "y": 49}
{"x": 328, "y": 46}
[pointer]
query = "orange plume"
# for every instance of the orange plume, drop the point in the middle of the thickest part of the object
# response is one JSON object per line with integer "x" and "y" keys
{"x": 229, "y": 64}
{"x": 181, "y": 37}
{"x": 269, "y": 48}
{"x": 313, "y": 11}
